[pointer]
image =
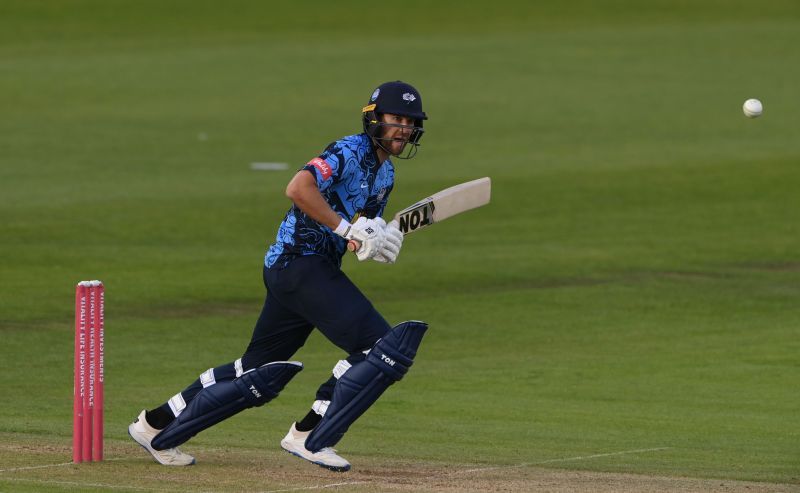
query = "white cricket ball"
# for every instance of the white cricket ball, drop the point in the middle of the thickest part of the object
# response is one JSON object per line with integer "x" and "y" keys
{"x": 752, "y": 108}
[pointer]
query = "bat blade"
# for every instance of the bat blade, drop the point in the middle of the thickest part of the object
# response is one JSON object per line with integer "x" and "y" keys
{"x": 442, "y": 205}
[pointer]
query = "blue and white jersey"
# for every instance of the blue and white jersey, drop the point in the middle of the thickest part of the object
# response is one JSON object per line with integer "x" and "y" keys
{"x": 353, "y": 183}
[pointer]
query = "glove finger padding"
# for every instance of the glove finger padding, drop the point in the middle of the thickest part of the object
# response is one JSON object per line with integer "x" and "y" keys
{"x": 393, "y": 230}
{"x": 393, "y": 239}
{"x": 380, "y": 258}
{"x": 390, "y": 245}
{"x": 393, "y": 243}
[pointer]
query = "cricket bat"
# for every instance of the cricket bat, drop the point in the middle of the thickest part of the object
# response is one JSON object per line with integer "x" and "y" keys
{"x": 440, "y": 206}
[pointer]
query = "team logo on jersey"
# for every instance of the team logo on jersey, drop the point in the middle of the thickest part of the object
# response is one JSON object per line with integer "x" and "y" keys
{"x": 381, "y": 194}
{"x": 322, "y": 166}
{"x": 375, "y": 94}
{"x": 409, "y": 97}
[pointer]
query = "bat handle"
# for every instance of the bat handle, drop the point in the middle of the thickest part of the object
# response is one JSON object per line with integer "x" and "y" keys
{"x": 353, "y": 245}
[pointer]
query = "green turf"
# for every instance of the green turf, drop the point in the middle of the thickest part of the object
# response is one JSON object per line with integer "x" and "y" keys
{"x": 635, "y": 283}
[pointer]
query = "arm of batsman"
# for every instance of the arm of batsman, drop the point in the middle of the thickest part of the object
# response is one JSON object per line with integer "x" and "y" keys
{"x": 391, "y": 247}
{"x": 370, "y": 235}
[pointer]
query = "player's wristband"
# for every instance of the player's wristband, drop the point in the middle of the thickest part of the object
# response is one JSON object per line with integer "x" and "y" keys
{"x": 343, "y": 228}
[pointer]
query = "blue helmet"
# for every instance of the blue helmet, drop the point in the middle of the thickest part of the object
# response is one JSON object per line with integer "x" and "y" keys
{"x": 397, "y": 98}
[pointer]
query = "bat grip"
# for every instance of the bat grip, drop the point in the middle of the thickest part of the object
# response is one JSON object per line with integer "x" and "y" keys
{"x": 353, "y": 245}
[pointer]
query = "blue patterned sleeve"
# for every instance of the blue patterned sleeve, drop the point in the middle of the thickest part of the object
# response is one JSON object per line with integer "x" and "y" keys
{"x": 331, "y": 166}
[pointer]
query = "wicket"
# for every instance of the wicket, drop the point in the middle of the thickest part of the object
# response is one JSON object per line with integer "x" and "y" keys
{"x": 87, "y": 411}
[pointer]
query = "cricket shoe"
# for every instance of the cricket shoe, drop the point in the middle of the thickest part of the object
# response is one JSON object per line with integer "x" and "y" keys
{"x": 295, "y": 443}
{"x": 141, "y": 431}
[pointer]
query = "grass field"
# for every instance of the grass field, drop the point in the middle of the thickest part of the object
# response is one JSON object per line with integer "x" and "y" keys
{"x": 624, "y": 316}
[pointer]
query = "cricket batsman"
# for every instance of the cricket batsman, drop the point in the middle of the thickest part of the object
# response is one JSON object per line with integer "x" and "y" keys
{"x": 338, "y": 197}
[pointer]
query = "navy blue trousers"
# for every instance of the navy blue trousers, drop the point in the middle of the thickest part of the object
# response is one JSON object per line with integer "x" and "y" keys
{"x": 309, "y": 292}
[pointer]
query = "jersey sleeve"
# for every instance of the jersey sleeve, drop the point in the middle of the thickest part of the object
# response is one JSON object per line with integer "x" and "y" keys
{"x": 330, "y": 167}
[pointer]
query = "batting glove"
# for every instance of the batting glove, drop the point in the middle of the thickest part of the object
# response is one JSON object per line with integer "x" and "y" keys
{"x": 370, "y": 235}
